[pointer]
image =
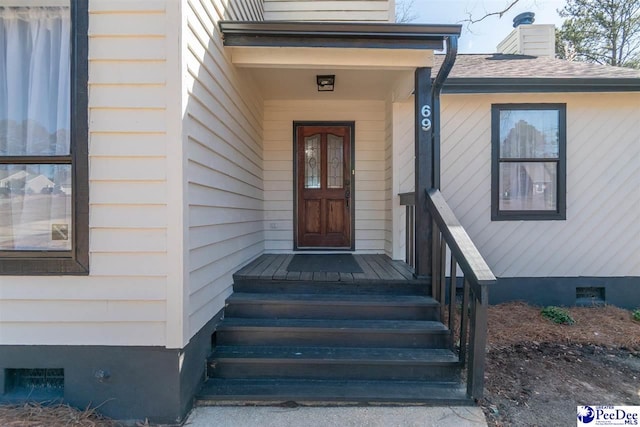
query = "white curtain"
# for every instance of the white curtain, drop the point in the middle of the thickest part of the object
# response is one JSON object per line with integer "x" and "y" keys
{"x": 35, "y": 81}
{"x": 35, "y": 111}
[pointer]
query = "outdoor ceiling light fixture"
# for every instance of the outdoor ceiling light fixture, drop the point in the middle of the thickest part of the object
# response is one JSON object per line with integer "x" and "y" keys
{"x": 326, "y": 83}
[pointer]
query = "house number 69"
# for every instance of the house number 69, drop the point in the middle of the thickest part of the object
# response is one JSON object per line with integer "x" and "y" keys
{"x": 426, "y": 121}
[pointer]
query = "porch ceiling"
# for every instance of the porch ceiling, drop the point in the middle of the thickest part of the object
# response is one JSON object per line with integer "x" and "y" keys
{"x": 295, "y": 84}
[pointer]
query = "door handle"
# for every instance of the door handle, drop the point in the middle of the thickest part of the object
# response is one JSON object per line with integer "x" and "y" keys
{"x": 347, "y": 196}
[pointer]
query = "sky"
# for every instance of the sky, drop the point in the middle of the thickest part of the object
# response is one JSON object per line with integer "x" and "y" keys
{"x": 483, "y": 37}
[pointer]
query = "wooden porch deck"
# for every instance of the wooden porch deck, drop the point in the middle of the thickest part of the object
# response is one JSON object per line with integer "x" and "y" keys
{"x": 375, "y": 268}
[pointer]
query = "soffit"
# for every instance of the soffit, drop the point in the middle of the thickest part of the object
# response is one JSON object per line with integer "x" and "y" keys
{"x": 324, "y": 58}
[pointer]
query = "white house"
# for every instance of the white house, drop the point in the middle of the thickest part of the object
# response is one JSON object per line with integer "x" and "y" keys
{"x": 194, "y": 131}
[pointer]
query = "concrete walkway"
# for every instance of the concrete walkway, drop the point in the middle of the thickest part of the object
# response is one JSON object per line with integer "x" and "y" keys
{"x": 266, "y": 416}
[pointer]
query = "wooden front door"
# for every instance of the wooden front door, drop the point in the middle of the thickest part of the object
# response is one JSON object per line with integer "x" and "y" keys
{"x": 324, "y": 186}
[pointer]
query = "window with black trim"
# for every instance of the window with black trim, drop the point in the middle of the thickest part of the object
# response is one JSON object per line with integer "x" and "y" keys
{"x": 528, "y": 179}
{"x": 44, "y": 201}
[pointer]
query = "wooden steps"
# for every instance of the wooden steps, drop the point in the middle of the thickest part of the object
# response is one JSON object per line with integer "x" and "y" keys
{"x": 353, "y": 287}
{"x": 218, "y": 391}
{"x": 348, "y": 306}
{"x": 318, "y": 341}
{"x": 329, "y": 332}
{"x": 262, "y": 362}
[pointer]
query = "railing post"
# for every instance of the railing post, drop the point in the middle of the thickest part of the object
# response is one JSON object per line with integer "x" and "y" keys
{"x": 407, "y": 237}
{"x": 464, "y": 323}
{"x": 442, "y": 270}
{"x": 452, "y": 299}
{"x": 435, "y": 249}
{"x": 410, "y": 236}
{"x": 477, "y": 343}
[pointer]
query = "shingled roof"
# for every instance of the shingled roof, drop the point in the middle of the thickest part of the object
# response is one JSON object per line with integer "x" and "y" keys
{"x": 514, "y": 73}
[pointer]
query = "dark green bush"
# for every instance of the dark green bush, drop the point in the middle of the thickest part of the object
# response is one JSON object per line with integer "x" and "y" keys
{"x": 558, "y": 315}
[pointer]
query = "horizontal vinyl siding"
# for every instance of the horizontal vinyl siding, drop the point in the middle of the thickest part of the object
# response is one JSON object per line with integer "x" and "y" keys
{"x": 329, "y": 10}
{"x": 123, "y": 300}
{"x": 601, "y": 235}
{"x": 534, "y": 40}
{"x": 510, "y": 44}
{"x": 539, "y": 41}
{"x": 370, "y": 161}
{"x": 388, "y": 180}
{"x": 223, "y": 128}
{"x": 237, "y": 10}
{"x": 405, "y": 145}
{"x": 404, "y": 165}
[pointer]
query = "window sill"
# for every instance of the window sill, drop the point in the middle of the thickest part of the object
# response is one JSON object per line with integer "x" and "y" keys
{"x": 42, "y": 267}
{"x": 528, "y": 216}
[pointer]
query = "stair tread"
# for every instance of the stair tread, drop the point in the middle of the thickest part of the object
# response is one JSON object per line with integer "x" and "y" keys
{"x": 399, "y": 326}
{"x": 334, "y": 299}
{"x": 362, "y": 287}
{"x": 329, "y": 355}
{"x": 383, "y": 391}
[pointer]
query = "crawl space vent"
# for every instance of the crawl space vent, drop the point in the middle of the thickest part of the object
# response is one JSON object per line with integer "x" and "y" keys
{"x": 35, "y": 381}
{"x": 590, "y": 296}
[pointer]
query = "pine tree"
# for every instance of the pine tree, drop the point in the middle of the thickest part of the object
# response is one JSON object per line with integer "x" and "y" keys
{"x": 601, "y": 31}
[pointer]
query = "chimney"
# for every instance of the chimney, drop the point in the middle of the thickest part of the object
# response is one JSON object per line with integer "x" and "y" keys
{"x": 528, "y": 38}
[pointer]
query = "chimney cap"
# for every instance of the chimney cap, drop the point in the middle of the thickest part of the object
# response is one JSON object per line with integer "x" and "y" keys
{"x": 524, "y": 18}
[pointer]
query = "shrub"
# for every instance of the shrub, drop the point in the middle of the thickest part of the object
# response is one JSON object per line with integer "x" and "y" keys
{"x": 557, "y": 315}
{"x": 636, "y": 315}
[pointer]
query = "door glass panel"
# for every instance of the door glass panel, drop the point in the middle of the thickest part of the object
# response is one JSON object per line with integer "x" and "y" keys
{"x": 335, "y": 163}
{"x": 312, "y": 162}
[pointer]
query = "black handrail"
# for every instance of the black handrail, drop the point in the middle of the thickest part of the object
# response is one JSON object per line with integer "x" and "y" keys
{"x": 477, "y": 276}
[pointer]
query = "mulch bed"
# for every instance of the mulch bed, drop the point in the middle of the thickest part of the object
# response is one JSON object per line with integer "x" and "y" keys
{"x": 54, "y": 414}
{"x": 538, "y": 372}
{"x": 606, "y": 326}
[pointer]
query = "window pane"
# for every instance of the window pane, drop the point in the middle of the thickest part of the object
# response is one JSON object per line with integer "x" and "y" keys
{"x": 312, "y": 161}
{"x": 335, "y": 164}
{"x": 529, "y": 134}
{"x": 35, "y": 207}
{"x": 35, "y": 69}
{"x": 528, "y": 186}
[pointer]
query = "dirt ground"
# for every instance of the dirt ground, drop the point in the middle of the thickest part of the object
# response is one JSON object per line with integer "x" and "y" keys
{"x": 537, "y": 372}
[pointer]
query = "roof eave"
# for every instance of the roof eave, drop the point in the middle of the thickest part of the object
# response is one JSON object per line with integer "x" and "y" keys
{"x": 532, "y": 84}
{"x": 329, "y": 34}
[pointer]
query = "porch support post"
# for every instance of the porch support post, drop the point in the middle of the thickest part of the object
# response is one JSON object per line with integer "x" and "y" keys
{"x": 424, "y": 169}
